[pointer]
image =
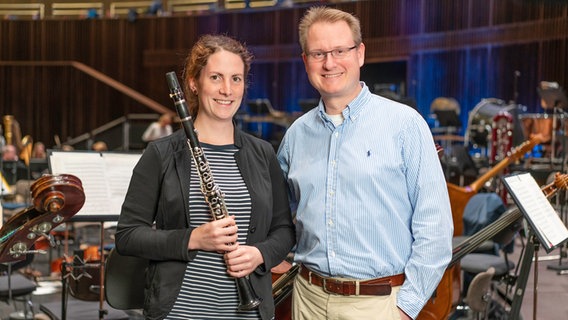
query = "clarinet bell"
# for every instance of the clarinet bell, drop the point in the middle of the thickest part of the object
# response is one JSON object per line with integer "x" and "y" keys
{"x": 248, "y": 300}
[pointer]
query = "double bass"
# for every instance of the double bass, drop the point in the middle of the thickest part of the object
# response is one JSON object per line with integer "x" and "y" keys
{"x": 55, "y": 200}
{"x": 440, "y": 305}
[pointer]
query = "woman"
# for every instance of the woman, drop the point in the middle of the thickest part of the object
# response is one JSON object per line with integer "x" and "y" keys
{"x": 192, "y": 259}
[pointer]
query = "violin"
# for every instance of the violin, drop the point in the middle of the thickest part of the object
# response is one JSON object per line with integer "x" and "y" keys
{"x": 56, "y": 198}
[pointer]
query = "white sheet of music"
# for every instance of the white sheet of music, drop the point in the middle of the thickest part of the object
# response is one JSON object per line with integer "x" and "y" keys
{"x": 532, "y": 201}
{"x": 105, "y": 177}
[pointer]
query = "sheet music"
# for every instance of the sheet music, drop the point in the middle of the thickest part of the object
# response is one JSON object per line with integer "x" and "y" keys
{"x": 105, "y": 177}
{"x": 532, "y": 201}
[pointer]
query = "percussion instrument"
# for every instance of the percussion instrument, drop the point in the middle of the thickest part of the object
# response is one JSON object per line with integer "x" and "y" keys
{"x": 478, "y": 134}
{"x": 534, "y": 123}
{"x": 549, "y": 126}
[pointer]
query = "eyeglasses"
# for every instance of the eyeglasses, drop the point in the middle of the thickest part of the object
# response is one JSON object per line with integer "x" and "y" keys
{"x": 338, "y": 53}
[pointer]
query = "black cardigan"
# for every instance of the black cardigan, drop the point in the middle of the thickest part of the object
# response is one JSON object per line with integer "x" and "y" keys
{"x": 159, "y": 192}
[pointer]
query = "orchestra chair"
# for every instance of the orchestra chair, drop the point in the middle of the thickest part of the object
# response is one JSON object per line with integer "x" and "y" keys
{"x": 487, "y": 207}
{"x": 481, "y": 210}
{"x": 480, "y": 294}
{"x": 15, "y": 287}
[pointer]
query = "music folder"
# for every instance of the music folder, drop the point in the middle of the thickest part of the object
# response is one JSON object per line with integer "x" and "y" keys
{"x": 537, "y": 209}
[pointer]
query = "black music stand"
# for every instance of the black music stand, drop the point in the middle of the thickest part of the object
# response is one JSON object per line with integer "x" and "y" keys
{"x": 545, "y": 230}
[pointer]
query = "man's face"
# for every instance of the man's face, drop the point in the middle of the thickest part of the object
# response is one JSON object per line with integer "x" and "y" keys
{"x": 334, "y": 77}
{"x": 10, "y": 153}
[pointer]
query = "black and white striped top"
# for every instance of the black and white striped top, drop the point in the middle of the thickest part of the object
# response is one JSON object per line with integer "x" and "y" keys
{"x": 207, "y": 291}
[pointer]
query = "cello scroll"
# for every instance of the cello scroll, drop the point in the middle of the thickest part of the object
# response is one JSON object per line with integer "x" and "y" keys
{"x": 56, "y": 198}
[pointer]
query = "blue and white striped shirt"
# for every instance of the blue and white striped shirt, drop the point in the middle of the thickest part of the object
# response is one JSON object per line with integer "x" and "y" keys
{"x": 370, "y": 196}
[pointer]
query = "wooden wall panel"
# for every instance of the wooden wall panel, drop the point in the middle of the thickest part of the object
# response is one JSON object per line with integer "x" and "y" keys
{"x": 468, "y": 49}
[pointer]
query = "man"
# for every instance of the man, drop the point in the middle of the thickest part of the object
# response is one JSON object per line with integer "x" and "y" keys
{"x": 158, "y": 129}
{"x": 9, "y": 153}
{"x": 369, "y": 192}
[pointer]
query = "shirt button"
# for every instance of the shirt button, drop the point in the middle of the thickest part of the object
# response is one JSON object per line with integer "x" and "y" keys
{"x": 330, "y": 222}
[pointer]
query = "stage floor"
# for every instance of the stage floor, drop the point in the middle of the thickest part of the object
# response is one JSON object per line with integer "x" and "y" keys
{"x": 550, "y": 303}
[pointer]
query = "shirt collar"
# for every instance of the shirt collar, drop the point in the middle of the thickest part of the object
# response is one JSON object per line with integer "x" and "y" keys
{"x": 353, "y": 108}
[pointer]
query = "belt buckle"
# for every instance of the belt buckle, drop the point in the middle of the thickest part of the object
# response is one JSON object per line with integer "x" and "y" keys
{"x": 324, "y": 286}
{"x": 338, "y": 287}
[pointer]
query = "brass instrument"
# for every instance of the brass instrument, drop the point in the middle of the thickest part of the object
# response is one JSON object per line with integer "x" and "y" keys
{"x": 26, "y": 151}
{"x": 13, "y": 135}
{"x": 12, "y": 131}
{"x": 214, "y": 197}
{"x": 8, "y": 134}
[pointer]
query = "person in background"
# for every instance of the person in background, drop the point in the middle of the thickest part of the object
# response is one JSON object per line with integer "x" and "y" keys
{"x": 158, "y": 129}
{"x": 373, "y": 219}
{"x": 38, "y": 151}
{"x": 9, "y": 153}
{"x": 165, "y": 219}
{"x": 99, "y": 146}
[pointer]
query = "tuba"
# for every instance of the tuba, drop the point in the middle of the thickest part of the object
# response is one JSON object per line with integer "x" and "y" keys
{"x": 13, "y": 135}
{"x": 8, "y": 121}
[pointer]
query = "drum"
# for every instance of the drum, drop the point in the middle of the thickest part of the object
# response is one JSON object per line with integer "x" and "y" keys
{"x": 541, "y": 123}
{"x": 550, "y": 127}
{"x": 480, "y": 123}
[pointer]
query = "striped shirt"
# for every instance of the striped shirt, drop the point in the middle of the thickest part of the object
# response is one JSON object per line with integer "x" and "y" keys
{"x": 370, "y": 196}
{"x": 207, "y": 291}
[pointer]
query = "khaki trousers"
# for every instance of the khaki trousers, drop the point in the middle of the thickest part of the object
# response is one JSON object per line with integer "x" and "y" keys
{"x": 310, "y": 302}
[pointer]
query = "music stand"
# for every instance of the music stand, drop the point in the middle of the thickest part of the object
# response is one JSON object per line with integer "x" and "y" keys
{"x": 544, "y": 229}
{"x": 448, "y": 118}
{"x": 105, "y": 177}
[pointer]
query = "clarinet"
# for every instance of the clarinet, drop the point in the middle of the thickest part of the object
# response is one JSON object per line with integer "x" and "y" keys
{"x": 214, "y": 197}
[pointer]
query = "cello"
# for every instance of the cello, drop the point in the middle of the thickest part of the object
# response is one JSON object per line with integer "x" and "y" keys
{"x": 56, "y": 198}
{"x": 440, "y": 305}
{"x": 283, "y": 277}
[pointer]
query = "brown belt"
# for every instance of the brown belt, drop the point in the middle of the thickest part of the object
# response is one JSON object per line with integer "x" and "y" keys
{"x": 373, "y": 287}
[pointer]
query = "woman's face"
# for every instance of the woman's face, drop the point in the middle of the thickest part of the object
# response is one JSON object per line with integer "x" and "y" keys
{"x": 220, "y": 86}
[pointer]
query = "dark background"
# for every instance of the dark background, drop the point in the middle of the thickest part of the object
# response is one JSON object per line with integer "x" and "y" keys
{"x": 422, "y": 49}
